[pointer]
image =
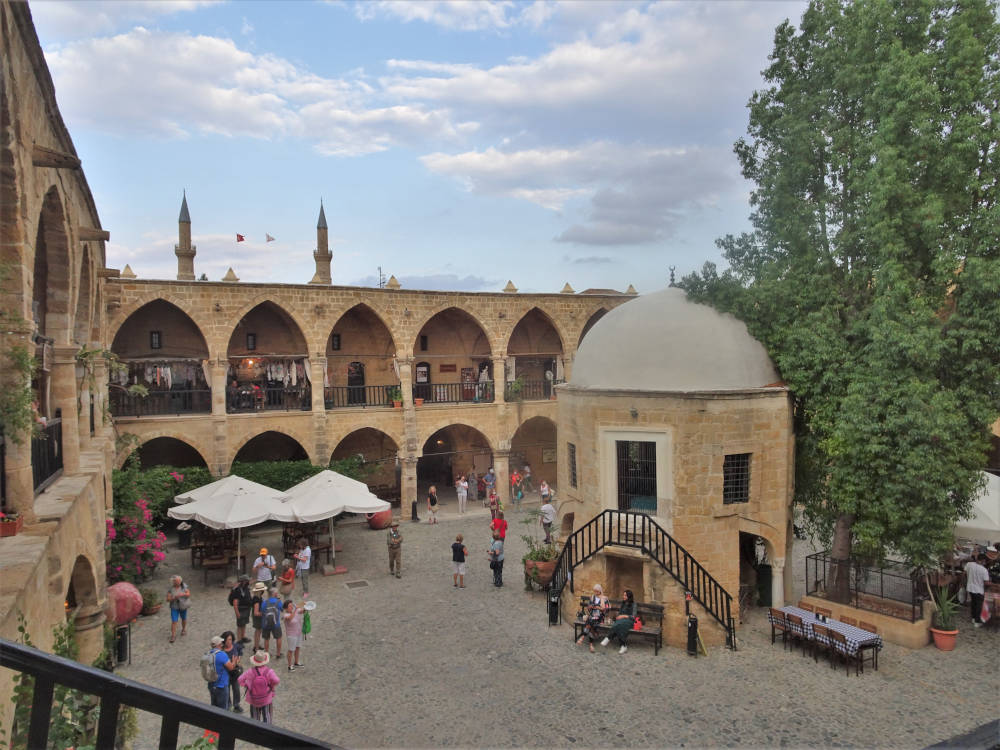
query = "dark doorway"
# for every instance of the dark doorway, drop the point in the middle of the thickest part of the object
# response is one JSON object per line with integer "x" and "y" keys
{"x": 356, "y": 383}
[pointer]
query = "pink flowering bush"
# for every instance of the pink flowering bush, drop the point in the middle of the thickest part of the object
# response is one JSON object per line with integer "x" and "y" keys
{"x": 134, "y": 546}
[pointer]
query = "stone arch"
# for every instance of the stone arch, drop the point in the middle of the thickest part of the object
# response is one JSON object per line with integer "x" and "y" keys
{"x": 192, "y": 442}
{"x": 82, "y": 324}
{"x": 126, "y": 312}
{"x": 488, "y": 331}
{"x": 82, "y": 598}
{"x": 457, "y": 451}
{"x": 556, "y": 324}
{"x": 291, "y": 314}
{"x": 51, "y": 288}
{"x": 281, "y": 430}
{"x": 12, "y": 242}
{"x": 395, "y": 435}
{"x": 594, "y": 317}
{"x": 360, "y": 341}
{"x": 534, "y": 440}
{"x": 381, "y": 458}
{"x": 448, "y": 422}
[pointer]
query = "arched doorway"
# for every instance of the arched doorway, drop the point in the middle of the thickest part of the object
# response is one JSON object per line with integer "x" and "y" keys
{"x": 534, "y": 445}
{"x": 755, "y": 574}
{"x": 163, "y": 350}
{"x": 534, "y": 357}
{"x": 168, "y": 451}
{"x": 451, "y": 451}
{"x": 359, "y": 361}
{"x": 452, "y": 351}
{"x": 267, "y": 363}
{"x": 81, "y": 604}
{"x": 271, "y": 446}
{"x": 378, "y": 453}
{"x": 82, "y": 325}
{"x": 590, "y": 324}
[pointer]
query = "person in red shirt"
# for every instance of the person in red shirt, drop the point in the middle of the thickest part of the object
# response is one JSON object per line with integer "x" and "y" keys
{"x": 499, "y": 525}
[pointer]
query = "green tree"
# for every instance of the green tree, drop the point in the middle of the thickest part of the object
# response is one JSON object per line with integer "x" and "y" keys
{"x": 872, "y": 273}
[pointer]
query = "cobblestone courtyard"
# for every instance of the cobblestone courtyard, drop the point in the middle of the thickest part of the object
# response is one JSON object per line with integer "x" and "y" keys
{"x": 416, "y": 663}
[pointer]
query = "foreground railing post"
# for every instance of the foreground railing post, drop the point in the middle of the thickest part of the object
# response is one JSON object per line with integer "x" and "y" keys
{"x": 107, "y": 724}
{"x": 41, "y": 712}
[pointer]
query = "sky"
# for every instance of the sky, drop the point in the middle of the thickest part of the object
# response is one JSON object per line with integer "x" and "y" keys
{"x": 455, "y": 145}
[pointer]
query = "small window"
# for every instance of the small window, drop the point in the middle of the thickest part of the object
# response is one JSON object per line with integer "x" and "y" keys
{"x": 423, "y": 342}
{"x": 572, "y": 464}
{"x": 155, "y": 339}
{"x": 636, "y": 475}
{"x": 736, "y": 478}
{"x": 335, "y": 342}
{"x": 251, "y": 341}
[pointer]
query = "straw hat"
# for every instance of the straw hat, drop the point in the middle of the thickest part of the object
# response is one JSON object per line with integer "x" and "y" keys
{"x": 260, "y": 658}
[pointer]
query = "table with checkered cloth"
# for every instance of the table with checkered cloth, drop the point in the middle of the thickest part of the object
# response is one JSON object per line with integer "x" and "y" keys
{"x": 855, "y": 637}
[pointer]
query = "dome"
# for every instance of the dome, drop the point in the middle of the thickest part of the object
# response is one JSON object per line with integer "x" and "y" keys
{"x": 664, "y": 342}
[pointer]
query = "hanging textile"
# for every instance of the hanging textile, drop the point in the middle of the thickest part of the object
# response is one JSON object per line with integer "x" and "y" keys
{"x": 305, "y": 371}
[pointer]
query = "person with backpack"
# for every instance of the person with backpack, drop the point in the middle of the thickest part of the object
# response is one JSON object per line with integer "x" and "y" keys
{"x": 215, "y": 666}
{"x": 241, "y": 601}
{"x": 234, "y": 650}
{"x": 271, "y": 621}
{"x": 263, "y": 567}
{"x": 179, "y": 597}
{"x": 259, "y": 682}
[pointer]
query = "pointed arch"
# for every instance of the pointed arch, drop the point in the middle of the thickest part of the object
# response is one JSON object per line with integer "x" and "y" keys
{"x": 203, "y": 451}
{"x": 298, "y": 326}
{"x": 360, "y": 352}
{"x": 294, "y": 435}
{"x": 537, "y": 316}
{"x": 446, "y": 422}
{"x": 51, "y": 288}
{"x": 591, "y": 321}
{"x": 180, "y": 336}
{"x": 126, "y": 311}
{"x": 450, "y": 319}
{"x": 82, "y": 323}
{"x": 487, "y": 330}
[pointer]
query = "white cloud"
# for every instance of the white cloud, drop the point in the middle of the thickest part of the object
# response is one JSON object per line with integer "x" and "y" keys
{"x": 460, "y": 15}
{"x": 82, "y": 18}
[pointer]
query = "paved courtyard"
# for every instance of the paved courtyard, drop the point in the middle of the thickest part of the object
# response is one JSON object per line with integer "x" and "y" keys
{"x": 415, "y": 663}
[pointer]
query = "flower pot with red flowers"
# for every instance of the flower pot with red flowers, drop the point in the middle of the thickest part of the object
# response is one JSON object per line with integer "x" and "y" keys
{"x": 10, "y": 524}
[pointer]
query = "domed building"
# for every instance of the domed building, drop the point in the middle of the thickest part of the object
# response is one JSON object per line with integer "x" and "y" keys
{"x": 676, "y": 458}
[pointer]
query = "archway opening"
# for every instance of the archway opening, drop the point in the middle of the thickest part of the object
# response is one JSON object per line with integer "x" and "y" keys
{"x": 378, "y": 453}
{"x": 82, "y": 326}
{"x": 755, "y": 574}
{"x": 163, "y": 350}
{"x": 271, "y": 446}
{"x": 360, "y": 368}
{"x": 81, "y": 605}
{"x": 534, "y": 446}
{"x": 168, "y": 451}
{"x": 268, "y": 369}
{"x": 534, "y": 356}
{"x": 450, "y": 452}
{"x": 454, "y": 360}
{"x": 590, "y": 324}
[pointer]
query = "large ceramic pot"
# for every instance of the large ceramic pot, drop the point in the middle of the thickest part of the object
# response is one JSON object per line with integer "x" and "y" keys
{"x": 539, "y": 572}
{"x": 380, "y": 520}
{"x": 124, "y": 603}
{"x": 944, "y": 639}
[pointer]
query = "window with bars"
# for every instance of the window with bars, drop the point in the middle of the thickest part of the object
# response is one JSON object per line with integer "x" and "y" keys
{"x": 736, "y": 478}
{"x": 572, "y": 464}
{"x": 636, "y": 475}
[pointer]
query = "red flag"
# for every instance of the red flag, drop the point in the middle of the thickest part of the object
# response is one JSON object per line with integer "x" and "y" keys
{"x": 240, "y": 238}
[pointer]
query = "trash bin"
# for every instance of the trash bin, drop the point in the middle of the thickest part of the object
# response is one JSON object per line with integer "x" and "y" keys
{"x": 764, "y": 586}
{"x": 692, "y": 635}
{"x": 184, "y": 537}
{"x": 123, "y": 644}
{"x": 553, "y": 609}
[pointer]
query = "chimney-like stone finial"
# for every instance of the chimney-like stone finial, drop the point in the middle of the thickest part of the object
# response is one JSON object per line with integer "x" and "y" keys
{"x": 322, "y": 256}
{"x": 184, "y": 250}
{"x": 567, "y": 289}
{"x": 510, "y": 288}
{"x": 392, "y": 283}
{"x": 230, "y": 275}
{"x": 127, "y": 272}
{"x": 631, "y": 290}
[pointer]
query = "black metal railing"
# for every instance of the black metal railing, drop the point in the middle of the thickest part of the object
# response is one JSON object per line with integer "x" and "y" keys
{"x": 454, "y": 393}
{"x": 47, "y": 454}
{"x": 347, "y": 396}
{"x": 639, "y": 531}
{"x": 158, "y": 403}
{"x": 245, "y": 399}
{"x": 867, "y": 584}
{"x": 115, "y": 692}
{"x": 530, "y": 390}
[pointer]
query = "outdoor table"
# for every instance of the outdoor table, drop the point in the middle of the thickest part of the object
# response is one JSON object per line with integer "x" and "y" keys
{"x": 856, "y": 637}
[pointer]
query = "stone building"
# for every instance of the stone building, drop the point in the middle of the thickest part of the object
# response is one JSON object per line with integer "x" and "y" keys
{"x": 675, "y": 412}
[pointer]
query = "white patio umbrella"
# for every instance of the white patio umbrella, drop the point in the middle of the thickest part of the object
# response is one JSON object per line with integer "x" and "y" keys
{"x": 984, "y": 525}
{"x": 329, "y": 494}
{"x": 232, "y": 503}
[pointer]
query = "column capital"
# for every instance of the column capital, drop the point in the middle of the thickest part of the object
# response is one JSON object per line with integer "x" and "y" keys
{"x": 63, "y": 354}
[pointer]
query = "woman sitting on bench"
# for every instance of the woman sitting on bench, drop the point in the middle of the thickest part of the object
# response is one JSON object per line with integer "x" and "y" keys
{"x": 624, "y": 622}
{"x": 597, "y": 607}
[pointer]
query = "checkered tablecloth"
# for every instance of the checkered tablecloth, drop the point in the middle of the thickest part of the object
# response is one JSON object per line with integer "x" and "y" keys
{"x": 855, "y": 637}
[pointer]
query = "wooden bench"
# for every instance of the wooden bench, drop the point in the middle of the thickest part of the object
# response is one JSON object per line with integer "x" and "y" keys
{"x": 650, "y": 614}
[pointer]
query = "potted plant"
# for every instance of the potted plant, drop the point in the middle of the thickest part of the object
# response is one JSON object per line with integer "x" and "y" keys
{"x": 10, "y": 523}
{"x": 417, "y": 401}
{"x": 943, "y": 628}
{"x": 514, "y": 389}
{"x": 151, "y": 601}
{"x": 396, "y": 396}
{"x": 540, "y": 559}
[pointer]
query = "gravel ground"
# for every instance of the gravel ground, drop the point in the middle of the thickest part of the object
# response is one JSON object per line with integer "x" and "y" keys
{"x": 415, "y": 662}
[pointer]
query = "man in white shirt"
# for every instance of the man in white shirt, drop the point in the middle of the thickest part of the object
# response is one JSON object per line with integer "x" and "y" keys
{"x": 548, "y": 517}
{"x": 263, "y": 566}
{"x": 976, "y": 576}
{"x": 303, "y": 560}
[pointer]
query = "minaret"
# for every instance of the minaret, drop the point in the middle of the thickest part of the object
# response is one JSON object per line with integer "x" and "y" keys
{"x": 322, "y": 255}
{"x": 184, "y": 250}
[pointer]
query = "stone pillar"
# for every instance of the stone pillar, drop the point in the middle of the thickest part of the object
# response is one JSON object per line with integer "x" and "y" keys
{"x": 499, "y": 379}
{"x": 64, "y": 395}
{"x": 317, "y": 369}
{"x": 89, "y": 622}
{"x": 778, "y": 583}
{"x": 217, "y": 372}
{"x": 406, "y": 379}
{"x": 219, "y": 463}
{"x": 501, "y": 467}
{"x": 100, "y": 395}
{"x": 408, "y": 487}
{"x": 20, "y": 479}
{"x": 567, "y": 367}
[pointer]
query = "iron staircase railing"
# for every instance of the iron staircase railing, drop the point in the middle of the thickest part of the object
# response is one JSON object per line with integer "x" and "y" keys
{"x": 639, "y": 531}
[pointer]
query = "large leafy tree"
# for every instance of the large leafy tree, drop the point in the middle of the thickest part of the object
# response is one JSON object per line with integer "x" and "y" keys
{"x": 872, "y": 273}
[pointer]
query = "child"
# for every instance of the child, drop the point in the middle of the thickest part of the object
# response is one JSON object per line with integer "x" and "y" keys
{"x": 458, "y": 555}
{"x": 494, "y": 504}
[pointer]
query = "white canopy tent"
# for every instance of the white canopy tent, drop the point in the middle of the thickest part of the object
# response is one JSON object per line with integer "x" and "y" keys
{"x": 232, "y": 503}
{"x": 329, "y": 494}
{"x": 984, "y": 525}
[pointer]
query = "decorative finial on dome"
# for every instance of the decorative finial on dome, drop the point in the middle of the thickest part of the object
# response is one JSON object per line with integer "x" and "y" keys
{"x": 392, "y": 283}
{"x": 631, "y": 290}
{"x": 510, "y": 288}
{"x": 567, "y": 289}
{"x": 230, "y": 275}
{"x": 127, "y": 272}
{"x": 672, "y": 269}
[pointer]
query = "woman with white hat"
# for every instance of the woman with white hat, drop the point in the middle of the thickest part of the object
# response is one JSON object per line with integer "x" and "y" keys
{"x": 259, "y": 681}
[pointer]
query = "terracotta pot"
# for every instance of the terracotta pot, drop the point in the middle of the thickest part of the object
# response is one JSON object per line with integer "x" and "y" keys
{"x": 418, "y": 402}
{"x": 397, "y": 404}
{"x": 124, "y": 603}
{"x": 539, "y": 572}
{"x": 10, "y": 527}
{"x": 147, "y": 611}
{"x": 379, "y": 520}
{"x": 944, "y": 639}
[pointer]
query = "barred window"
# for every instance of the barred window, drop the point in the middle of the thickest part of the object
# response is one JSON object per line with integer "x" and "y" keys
{"x": 736, "y": 478}
{"x": 636, "y": 475}
{"x": 572, "y": 464}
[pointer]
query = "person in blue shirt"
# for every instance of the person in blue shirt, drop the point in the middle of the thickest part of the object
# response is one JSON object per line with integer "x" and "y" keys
{"x": 219, "y": 690}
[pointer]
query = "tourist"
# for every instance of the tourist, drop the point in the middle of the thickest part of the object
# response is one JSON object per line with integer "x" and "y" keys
{"x": 473, "y": 486}
{"x": 293, "y": 633}
{"x": 271, "y": 621}
{"x": 286, "y": 581}
{"x": 548, "y": 517}
{"x": 529, "y": 486}
{"x": 516, "y": 489}
{"x": 545, "y": 491}
{"x": 432, "y": 504}
{"x": 494, "y": 504}
{"x": 976, "y": 576}
{"x": 482, "y": 490}
{"x": 218, "y": 691}
{"x": 496, "y": 559}
{"x": 596, "y": 609}
{"x": 179, "y": 597}
{"x": 624, "y": 622}
{"x": 394, "y": 541}
{"x": 303, "y": 561}
{"x": 234, "y": 650}
{"x": 259, "y": 591}
{"x": 499, "y": 526}
{"x": 490, "y": 480}
{"x": 259, "y": 682}
{"x": 263, "y": 567}
{"x": 458, "y": 555}
{"x": 241, "y": 601}
{"x": 462, "y": 490}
